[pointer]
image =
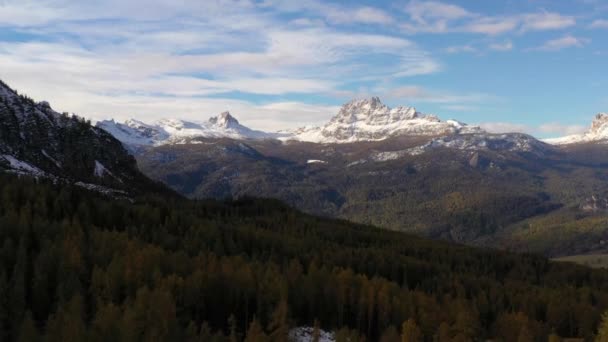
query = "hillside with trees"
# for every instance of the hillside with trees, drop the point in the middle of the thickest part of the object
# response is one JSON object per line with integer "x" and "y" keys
{"x": 75, "y": 265}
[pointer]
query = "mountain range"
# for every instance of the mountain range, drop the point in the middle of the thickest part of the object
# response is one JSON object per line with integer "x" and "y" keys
{"x": 357, "y": 121}
{"x": 395, "y": 168}
{"x": 399, "y": 169}
{"x": 93, "y": 249}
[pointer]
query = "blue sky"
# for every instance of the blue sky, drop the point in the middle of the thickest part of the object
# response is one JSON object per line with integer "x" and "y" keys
{"x": 536, "y": 66}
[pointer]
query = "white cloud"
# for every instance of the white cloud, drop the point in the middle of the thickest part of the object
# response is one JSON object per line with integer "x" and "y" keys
{"x": 564, "y": 42}
{"x": 490, "y": 26}
{"x": 504, "y": 46}
{"x": 506, "y": 127}
{"x": 599, "y": 24}
{"x": 143, "y": 63}
{"x": 332, "y": 12}
{"x": 422, "y": 11}
{"x": 460, "y": 49}
{"x": 558, "y": 129}
{"x": 367, "y": 15}
{"x": 546, "y": 129}
{"x": 546, "y": 21}
{"x": 451, "y": 101}
{"x": 438, "y": 17}
{"x": 27, "y": 12}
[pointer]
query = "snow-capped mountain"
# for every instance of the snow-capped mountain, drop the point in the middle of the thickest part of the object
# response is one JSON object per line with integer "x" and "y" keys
{"x": 358, "y": 120}
{"x": 597, "y": 132}
{"x": 173, "y": 131}
{"x": 371, "y": 120}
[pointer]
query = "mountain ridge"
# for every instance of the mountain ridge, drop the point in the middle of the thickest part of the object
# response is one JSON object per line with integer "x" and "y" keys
{"x": 36, "y": 140}
{"x": 357, "y": 121}
{"x": 597, "y": 132}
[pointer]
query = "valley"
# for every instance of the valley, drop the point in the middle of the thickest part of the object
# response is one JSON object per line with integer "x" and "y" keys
{"x": 508, "y": 191}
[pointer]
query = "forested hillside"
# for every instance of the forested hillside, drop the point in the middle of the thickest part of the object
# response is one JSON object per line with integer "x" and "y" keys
{"x": 77, "y": 266}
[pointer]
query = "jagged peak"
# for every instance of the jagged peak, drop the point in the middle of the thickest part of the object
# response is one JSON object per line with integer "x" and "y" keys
{"x": 373, "y": 111}
{"x": 225, "y": 120}
{"x": 601, "y": 120}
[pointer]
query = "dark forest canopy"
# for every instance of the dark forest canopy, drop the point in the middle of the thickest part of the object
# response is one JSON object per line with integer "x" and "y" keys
{"x": 77, "y": 266}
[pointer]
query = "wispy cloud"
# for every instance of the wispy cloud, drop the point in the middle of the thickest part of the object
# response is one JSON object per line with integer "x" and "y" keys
{"x": 599, "y": 24}
{"x": 460, "y": 102}
{"x": 504, "y": 46}
{"x": 461, "y": 48}
{"x": 438, "y": 17}
{"x": 559, "y": 129}
{"x": 567, "y": 41}
{"x": 134, "y": 53}
{"x": 551, "y": 129}
{"x": 506, "y": 127}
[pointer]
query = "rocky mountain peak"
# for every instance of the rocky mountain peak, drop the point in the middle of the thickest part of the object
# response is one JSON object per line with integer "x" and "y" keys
{"x": 361, "y": 110}
{"x": 224, "y": 120}
{"x": 600, "y": 123}
{"x": 597, "y": 132}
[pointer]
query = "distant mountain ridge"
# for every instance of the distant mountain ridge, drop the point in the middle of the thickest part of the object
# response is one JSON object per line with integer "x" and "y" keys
{"x": 174, "y": 131}
{"x": 362, "y": 120}
{"x": 598, "y": 132}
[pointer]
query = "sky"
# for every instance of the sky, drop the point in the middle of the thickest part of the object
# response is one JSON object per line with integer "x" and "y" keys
{"x": 534, "y": 66}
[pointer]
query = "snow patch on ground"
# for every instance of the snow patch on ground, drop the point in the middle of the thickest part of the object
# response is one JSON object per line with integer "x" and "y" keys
{"x": 357, "y": 162}
{"x": 21, "y": 167}
{"x": 315, "y": 161}
{"x": 305, "y": 334}
{"x": 100, "y": 170}
{"x": 58, "y": 164}
{"x": 101, "y": 189}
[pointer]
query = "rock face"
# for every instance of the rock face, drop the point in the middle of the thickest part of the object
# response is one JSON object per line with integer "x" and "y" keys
{"x": 597, "y": 133}
{"x": 371, "y": 120}
{"x": 36, "y": 140}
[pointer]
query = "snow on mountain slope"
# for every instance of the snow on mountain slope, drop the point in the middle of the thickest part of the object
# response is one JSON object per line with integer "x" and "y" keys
{"x": 371, "y": 120}
{"x": 174, "y": 131}
{"x": 512, "y": 142}
{"x": 358, "y": 120}
{"x": 597, "y": 132}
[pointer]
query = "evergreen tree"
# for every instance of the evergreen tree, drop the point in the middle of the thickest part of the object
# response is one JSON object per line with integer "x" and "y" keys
{"x": 278, "y": 327}
{"x": 28, "y": 331}
{"x": 410, "y": 332}
{"x": 602, "y": 333}
{"x": 255, "y": 333}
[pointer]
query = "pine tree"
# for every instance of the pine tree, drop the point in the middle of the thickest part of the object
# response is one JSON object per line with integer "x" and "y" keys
{"x": 553, "y": 337}
{"x": 278, "y": 327}
{"x": 410, "y": 332}
{"x": 18, "y": 293}
{"x": 4, "y": 307}
{"x": 28, "y": 331}
{"x": 525, "y": 335}
{"x": 390, "y": 335}
{"x": 602, "y": 333}
{"x": 234, "y": 336}
{"x": 255, "y": 333}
